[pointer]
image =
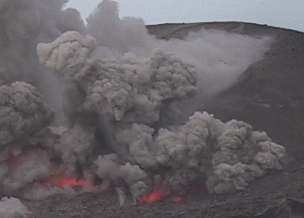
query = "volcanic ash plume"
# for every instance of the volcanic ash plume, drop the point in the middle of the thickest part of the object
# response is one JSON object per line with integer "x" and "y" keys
{"x": 23, "y": 25}
{"x": 12, "y": 207}
{"x": 121, "y": 98}
{"x": 23, "y": 111}
{"x": 129, "y": 99}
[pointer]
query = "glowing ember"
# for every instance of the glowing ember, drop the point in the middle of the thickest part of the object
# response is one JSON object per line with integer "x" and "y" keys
{"x": 177, "y": 199}
{"x": 154, "y": 196}
{"x": 61, "y": 181}
{"x": 157, "y": 195}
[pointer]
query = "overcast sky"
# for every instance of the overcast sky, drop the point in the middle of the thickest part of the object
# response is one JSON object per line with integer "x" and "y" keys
{"x": 281, "y": 13}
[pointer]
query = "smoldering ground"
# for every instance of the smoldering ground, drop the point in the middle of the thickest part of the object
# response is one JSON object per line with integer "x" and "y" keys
{"x": 119, "y": 93}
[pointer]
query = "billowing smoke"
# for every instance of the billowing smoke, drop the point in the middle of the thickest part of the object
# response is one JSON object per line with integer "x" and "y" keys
{"x": 23, "y": 25}
{"x": 123, "y": 101}
{"x": 23, "y": 111}
{"x": 12, "y": 207}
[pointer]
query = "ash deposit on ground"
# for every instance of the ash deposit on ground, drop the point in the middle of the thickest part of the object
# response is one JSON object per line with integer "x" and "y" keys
{"x": 106, "y": 105}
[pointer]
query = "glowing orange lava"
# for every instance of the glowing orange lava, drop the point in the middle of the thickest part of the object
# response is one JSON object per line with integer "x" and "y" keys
{"x": 154, "y": 196}
{"x": 61, "y": 181}
{"x": 157, "y": 195}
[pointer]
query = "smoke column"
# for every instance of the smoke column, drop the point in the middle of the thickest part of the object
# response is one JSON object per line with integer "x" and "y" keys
{"x": 120, "y": 92}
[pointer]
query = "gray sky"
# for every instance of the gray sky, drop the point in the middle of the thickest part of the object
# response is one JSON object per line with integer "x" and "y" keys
{"x": 281, "y": 13}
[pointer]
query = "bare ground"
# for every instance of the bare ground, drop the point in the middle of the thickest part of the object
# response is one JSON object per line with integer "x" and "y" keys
{"x": 270, "y": 96}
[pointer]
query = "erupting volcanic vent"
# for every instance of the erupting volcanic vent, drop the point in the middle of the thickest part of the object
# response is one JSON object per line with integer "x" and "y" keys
{"x": 154, "y": 196}
{"x": 61, "y": 181}
{"x": 125, "y": 96}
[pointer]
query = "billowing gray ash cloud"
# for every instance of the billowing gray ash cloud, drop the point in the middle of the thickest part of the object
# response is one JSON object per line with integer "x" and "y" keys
{"x": 122, "y": 92}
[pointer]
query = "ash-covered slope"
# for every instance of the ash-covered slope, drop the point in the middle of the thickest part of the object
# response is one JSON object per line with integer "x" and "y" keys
{"x": 269, "y": 95}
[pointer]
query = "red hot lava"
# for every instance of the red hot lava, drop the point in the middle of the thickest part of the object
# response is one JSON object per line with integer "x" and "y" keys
{"x": 61, "y": 181}
{"x": 157, "y": 195}
{"x": 154, "y": 196}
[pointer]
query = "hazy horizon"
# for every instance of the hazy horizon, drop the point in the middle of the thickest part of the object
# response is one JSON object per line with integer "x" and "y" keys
{"x": 277, "y": 13}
